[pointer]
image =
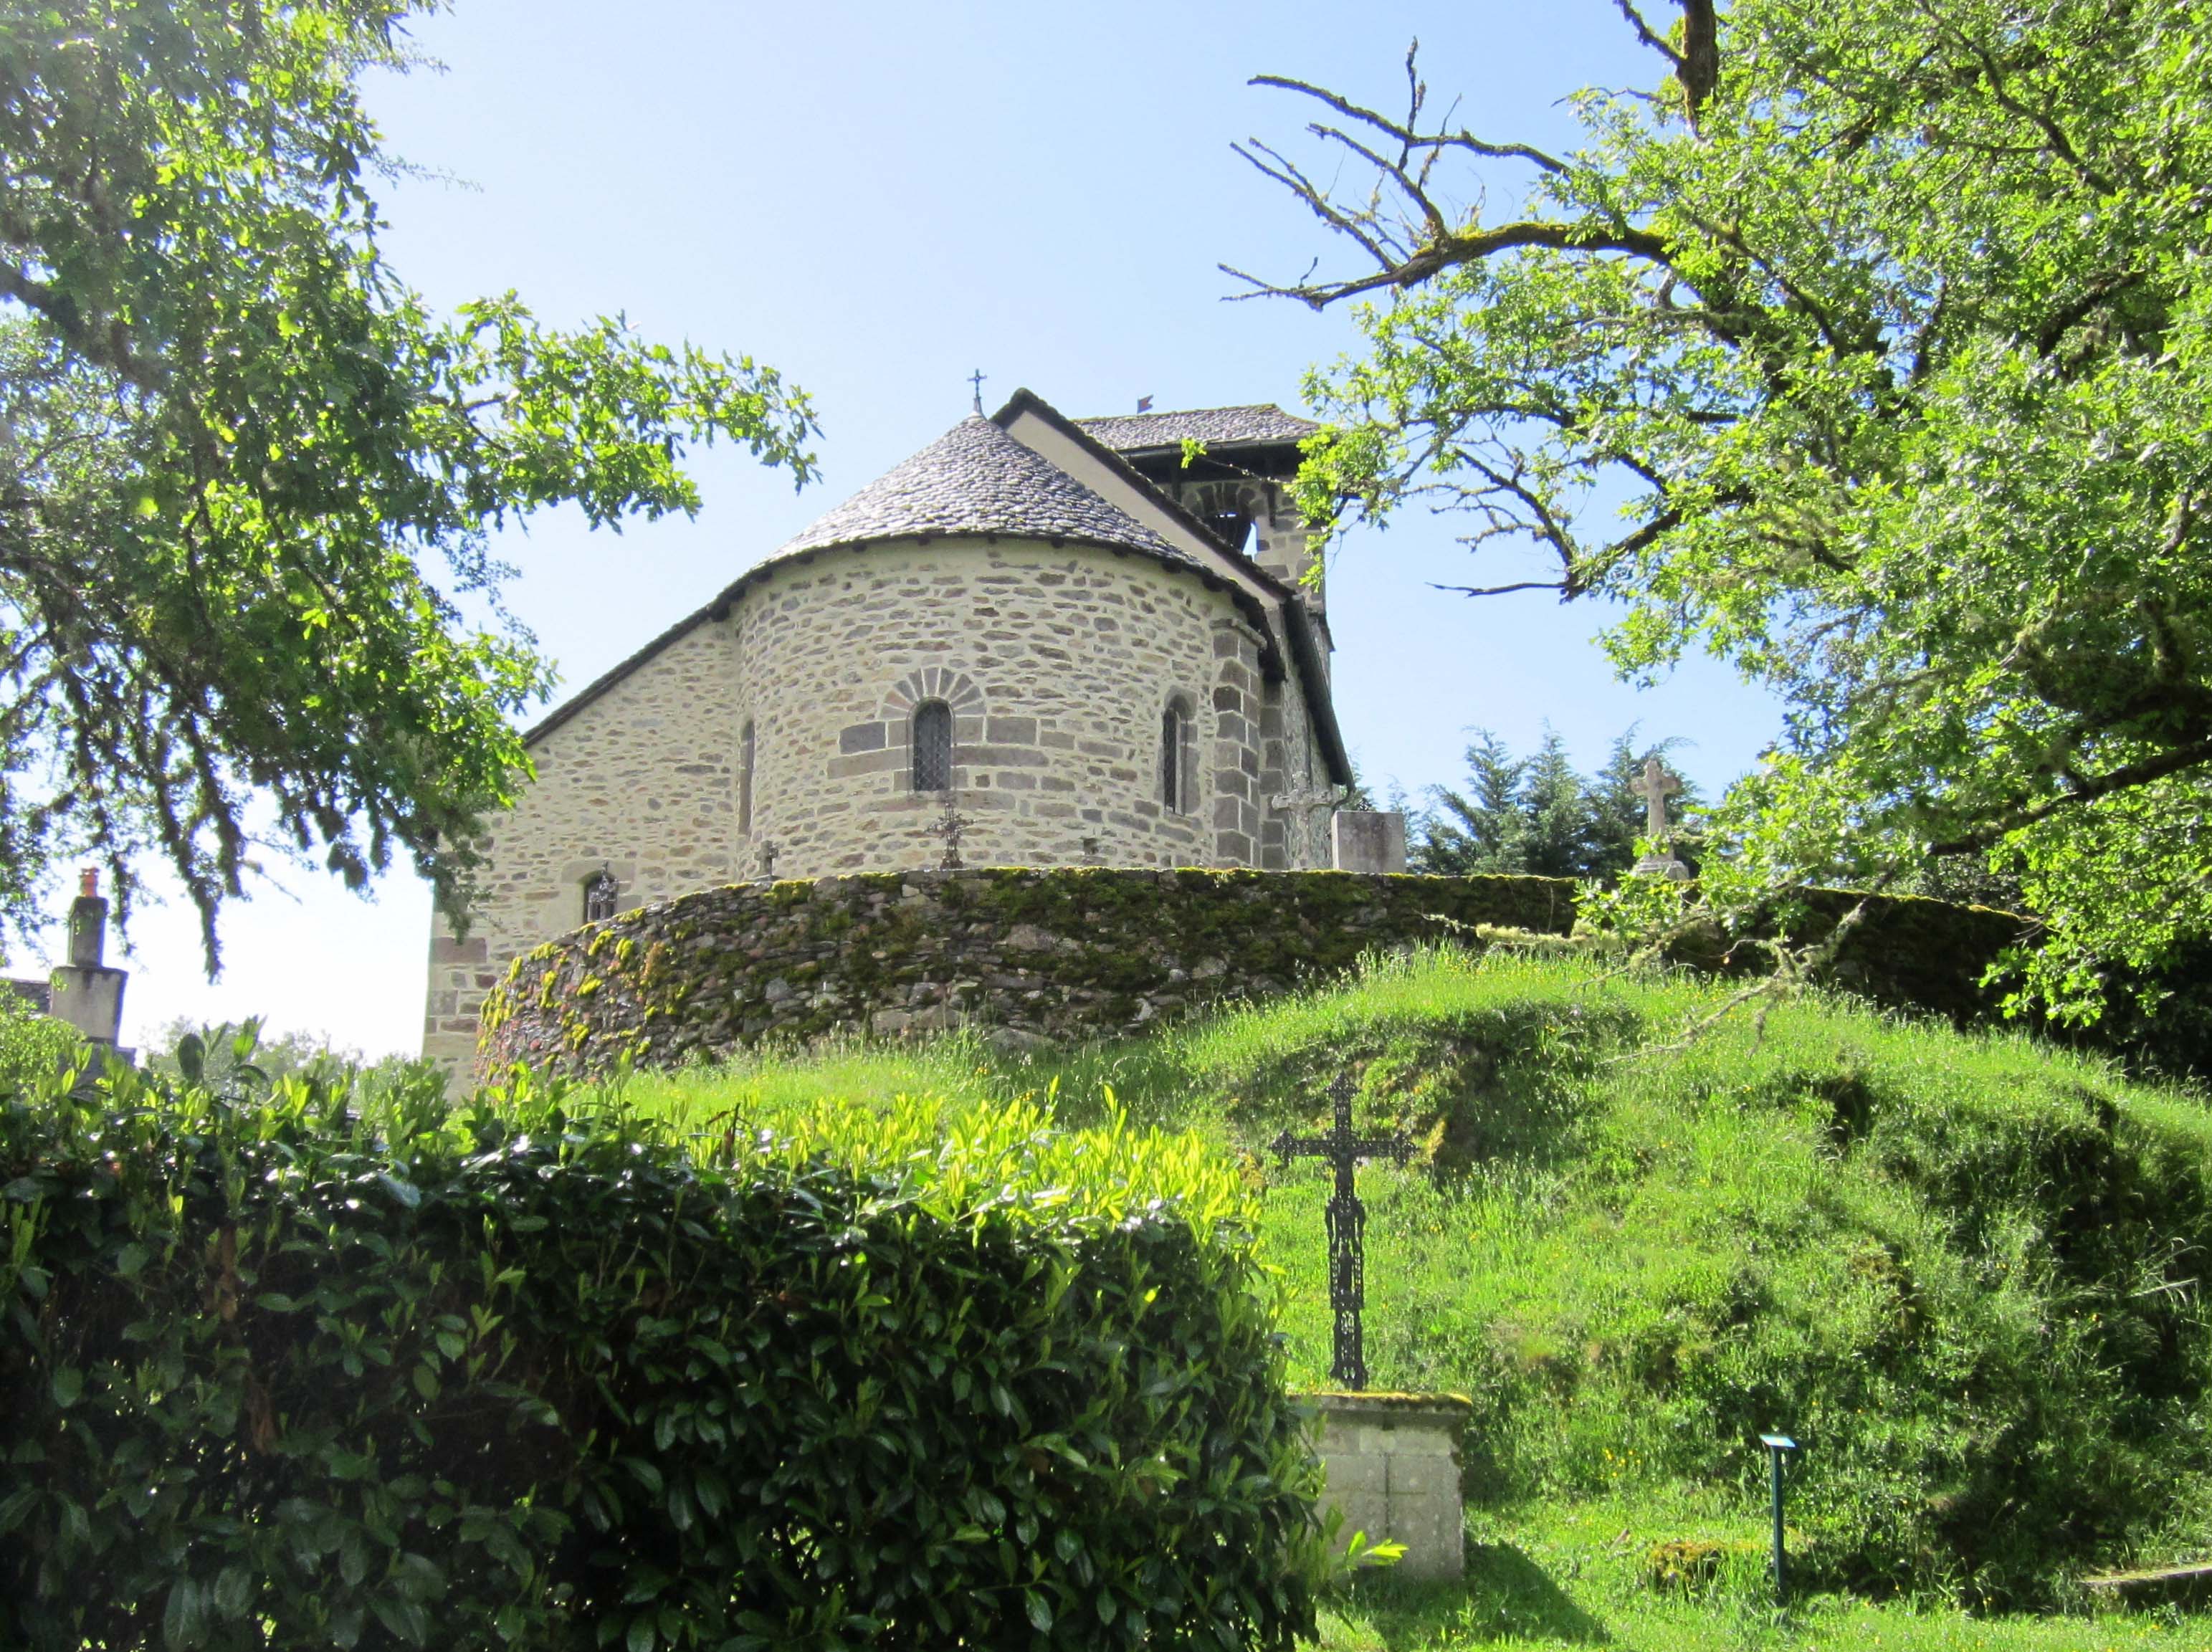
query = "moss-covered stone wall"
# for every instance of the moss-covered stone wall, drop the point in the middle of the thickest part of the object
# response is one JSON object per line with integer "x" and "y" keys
{"x": 1058, "y": 953}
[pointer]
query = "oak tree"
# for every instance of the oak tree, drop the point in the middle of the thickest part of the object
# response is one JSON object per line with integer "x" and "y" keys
{"x": 246, "y": 473}
{"x": 1886, "y": 327}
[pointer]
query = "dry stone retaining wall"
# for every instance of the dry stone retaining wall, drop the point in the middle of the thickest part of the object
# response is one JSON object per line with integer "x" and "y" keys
{"x": 1055, "y": 954}
{"x": 1061, "y": 953}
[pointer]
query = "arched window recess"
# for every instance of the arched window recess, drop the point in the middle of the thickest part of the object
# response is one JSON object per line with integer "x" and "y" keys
{"x": 1176, "y": 766}
{"x": 932, "y": 746}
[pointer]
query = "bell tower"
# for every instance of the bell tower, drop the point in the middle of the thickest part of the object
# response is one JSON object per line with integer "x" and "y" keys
{"x": 1241, "y": 485}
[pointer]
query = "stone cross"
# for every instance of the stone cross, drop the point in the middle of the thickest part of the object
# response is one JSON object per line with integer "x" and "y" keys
{"x": 1656, "y": 787}
{"x": 1306, "y": 804}
{"x": 1327, "y": 797}
{"x": 1344, "y": 1148}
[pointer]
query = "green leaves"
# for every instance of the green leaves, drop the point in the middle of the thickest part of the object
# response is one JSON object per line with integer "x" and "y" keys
{"x": 897, "y": 1377}
{"x": 1896, "y": 368}
{"x": 252, "y": 473}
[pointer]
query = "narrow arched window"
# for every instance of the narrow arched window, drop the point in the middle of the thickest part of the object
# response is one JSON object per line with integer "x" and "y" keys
{"x": 601, "y": 893}
{"x": 745, "y": 781}
{"x": 932, "y": 746}
{"x": 1175, "y": 743}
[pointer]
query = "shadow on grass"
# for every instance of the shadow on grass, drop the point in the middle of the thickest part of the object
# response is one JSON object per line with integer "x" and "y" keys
{"x": 1506, "y": 1595}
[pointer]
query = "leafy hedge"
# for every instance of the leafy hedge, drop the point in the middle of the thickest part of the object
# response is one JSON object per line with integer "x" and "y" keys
{"x": 34, "y": 1047}
{"x": 534, "y": 1369}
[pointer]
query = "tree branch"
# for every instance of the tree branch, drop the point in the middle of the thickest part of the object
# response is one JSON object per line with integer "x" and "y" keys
{"x": 1697, "y": 65}
{"x": 1644, "y": 33}
{"x": 2075, "y": 310}
{"x": 112, "y": 351}
{"x": 1561, "y": 586}
{"x": 1406, "y": 135}
{"x": 2125, "y": 778}
{"x": 1468, "y": 248}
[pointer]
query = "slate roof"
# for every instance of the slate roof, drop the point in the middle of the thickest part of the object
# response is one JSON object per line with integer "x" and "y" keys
{"x": 1224, "y": 427}
{"x": 977, "y": 479}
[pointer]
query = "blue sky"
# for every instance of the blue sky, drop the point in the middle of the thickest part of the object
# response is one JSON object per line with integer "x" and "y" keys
{"x": 879, "y": 200}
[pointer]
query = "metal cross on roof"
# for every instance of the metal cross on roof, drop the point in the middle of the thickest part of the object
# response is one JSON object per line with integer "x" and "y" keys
{"x": 1344, "y": 1147}
{"x": 976, "y": 379}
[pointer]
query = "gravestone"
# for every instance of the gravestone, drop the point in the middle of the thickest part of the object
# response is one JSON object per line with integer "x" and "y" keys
{"x": 1368, "y": 839}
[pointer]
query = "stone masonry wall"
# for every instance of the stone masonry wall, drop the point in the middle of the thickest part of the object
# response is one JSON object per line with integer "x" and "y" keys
{"x": 1029, "y": 954}
{"x": 1057, "y": 662}
{"x": 1051, "y": 954}
{"x": 642, "y": 781}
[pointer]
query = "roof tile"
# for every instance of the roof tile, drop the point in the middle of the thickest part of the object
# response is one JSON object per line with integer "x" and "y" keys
{"x": 977, "y": 479}
{"x": 1224, "y": 426}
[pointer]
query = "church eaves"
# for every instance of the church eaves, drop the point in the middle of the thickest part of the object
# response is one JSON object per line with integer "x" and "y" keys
{"x": 976, "y": 480}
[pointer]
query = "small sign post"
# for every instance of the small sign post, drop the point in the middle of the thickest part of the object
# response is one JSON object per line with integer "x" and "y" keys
{"x": 1344, "y": 1148}
{"x": 1777, "y": 1446}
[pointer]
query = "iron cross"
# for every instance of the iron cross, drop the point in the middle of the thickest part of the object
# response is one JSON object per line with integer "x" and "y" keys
{"x": 1344, "y": 1148}
{"x": 950, "y": 829}
{"x": 976, "y": 379}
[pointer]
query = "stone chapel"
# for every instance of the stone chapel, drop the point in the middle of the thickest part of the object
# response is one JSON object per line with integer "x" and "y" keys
{"x": 1039, "y": 641}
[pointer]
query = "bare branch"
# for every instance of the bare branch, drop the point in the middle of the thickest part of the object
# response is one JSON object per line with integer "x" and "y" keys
{"x": 1471, "y": 247}
{"x": 1395, "y": 171}
{"x": 1561, "y": 586}
{"x": 1645, "y": 33}
{"x": 1406, "y": 135}
{"x": 1285, "y": 172}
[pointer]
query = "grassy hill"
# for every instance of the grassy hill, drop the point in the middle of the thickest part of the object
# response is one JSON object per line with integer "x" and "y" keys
{"x": 1961, "y": 1269}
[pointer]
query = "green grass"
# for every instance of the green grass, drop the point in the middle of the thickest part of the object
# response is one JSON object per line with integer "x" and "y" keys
{"x": 1577, "y": 1577}
{"x": 1960, "y": 1268}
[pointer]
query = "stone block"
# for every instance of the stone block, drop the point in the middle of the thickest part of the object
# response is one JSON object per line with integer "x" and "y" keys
{"x": 1391, "y": 1468}
{"x": 89, "y": 997}
{"x": 1369, "y": 840}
